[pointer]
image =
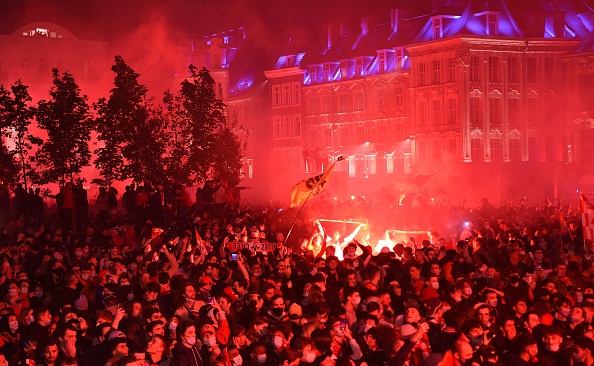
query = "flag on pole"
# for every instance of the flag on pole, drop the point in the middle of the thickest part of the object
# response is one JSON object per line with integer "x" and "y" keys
{"x": 421, "y": 179}
{"x": 587, "y": 217}
{"x": 314, "y": 185}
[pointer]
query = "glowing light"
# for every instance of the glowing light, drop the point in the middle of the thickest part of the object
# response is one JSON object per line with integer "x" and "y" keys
{"x": 336, "y": 198}
{"x": 353, "y": 198}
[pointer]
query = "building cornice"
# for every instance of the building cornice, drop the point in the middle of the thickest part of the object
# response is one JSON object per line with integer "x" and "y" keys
{"x": 494, "y": 41}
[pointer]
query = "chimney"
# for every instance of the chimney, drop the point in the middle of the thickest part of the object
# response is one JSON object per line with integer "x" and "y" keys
{"x": 365, "y": 26}
{"x": 559, "y": 23}
{"x": 329, "y": 31}
{"x": 342, "y": 29}
{"x": 394, "y": 20}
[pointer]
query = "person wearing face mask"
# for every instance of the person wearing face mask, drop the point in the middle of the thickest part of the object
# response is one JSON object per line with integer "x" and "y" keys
{"x": 39, "y": 330}
{"x": 15, "y": 299}
{"x": 584, "y": 351}
{"x": 185, "y": 352}
{"x": 473, "y": 333}
{"x": 257, "y": 356}
{"x": 431, "y": 288}
{"x": 9, "y": 333}
{"x": 210, "y": 349}
{"x": 281, "y": 337}
{"x": 351, "y": 304}
{"x": 276, "y": 312}
{"x": 553, "y": 352}
{"x": 561, "y": 317}
{"x": 345, "y": 343}
{"x": 234, "y": 356}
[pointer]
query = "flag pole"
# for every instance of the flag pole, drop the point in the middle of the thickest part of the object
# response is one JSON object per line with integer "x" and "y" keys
{"x": 340, "y": 158}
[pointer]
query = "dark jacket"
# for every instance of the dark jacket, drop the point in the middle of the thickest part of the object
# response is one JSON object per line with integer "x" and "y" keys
{"x": 184, "y": 356}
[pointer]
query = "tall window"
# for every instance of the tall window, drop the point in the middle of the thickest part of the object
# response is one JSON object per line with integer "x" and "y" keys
{"x": 475, "y": 112}
{"x": 326, "y": 104}
{"x": 512, "y": 70}
{"x": 381, "y": 98}
{"x": 422, "y": 73}
{"x": 452, "y": 69}
{"x": 452, "y": 111}
{"x": 313, "y": 106}
{"x": 296, "y": 125}
{"x": 422, "y": 113}
{"x": 476, "y": 149}
{"x": 515, "y": 117}
{"x": 474, "y": 68}
{"x": 531, "y": 70}
{"x": 436, "y": 71}
{"x": 437, "y": 28}
{"x": 286, "y": 126}
{"x": 399, "y": 57}
{"x": 277, "y": 129}
{"x": 399, "y": 131}
{"x": 515, "y": 152}
{"x": 286, "y": 95}
{"x": 382, "y": 134}
{"x": 381, "y": 61}
{"x": 496, "y": 153}
{"x": 359, "y": 103}
{"x": 343, "y": 104}
{"x": 494, "y": 69}
{"x": 343, "y": 70}
{"x": 549, "y": 70}
{"x": 398, "y": 97}
{"x": 359, "y": 67}
{"x": 437, "y": 112}
{"x": 296, "y": 93}
{"x": 276, "y": 96}
{"x": 492, "y": 24}
{"x": 326, "y": 73}
{"x": 495, "y": 112}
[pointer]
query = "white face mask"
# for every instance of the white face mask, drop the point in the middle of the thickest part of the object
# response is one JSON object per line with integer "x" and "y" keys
{"x": 191, "y": 340}
{"x": 277, "y": 342}
{"x": 262, "y": 359}
{"x": 210, "y": 341}
{"x": 309, "y": 357}
{"x": 172, "y": 326}
{"x": 237, "y": 360}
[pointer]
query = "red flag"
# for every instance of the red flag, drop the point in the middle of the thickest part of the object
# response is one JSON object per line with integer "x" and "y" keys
{"x": 587, "y": 217}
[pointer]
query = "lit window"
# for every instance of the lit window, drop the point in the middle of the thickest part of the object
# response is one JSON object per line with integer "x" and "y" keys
{"x": 422, "y": 73}
{"x": 452, "y": 69}
{"x": 381, "y": 61}
{"x": 359, "y": 103}
{"x": 437, "y": 28}
{"x": 296, "y": 93}
{"x": 398, "y": 100}
{"x": 494, "y": 69}
{"x": 492, "y": 24}
{"x": 436, "y": 72}
{"x": 381, "y": 98}
{"x": 399, "y": 58}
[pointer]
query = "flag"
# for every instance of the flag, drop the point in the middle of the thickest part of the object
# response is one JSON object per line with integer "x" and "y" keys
{"x": 421, "y": 179}
{"x": 587, "y": 217}
{"x": 311, "y": 186}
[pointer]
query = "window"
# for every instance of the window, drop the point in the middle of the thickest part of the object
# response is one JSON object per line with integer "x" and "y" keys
{"x": 512, "y": 70}
{"x": 549, "y": 70}
{"x": 515, "y": 116}
{"x": 422, "y": 113}
{"x": 382, "y": 136}
{"x": 381, "y": 98}
{"x": 296, "y": 93}
{"x": 399, "y": 131}
{"x": 515, "y": 153}
{"x": 360, "y": 134}
{"x": 476, "y": 149}
{"x": 381, "y": 61}
{"x": 343, "y": 104}
{"x": 531, "y": 70}
{"x": 359, "y": 103}
{"x": 474, "y": 68}
{"x": 296, "y": 125}
{"x": 399, "y": 58}
{"x": 437, "y": 28}
{"x": 343, "y": 70}
{"x": 286, "y": 95}
{"x": 359, "y": 67}
{"x": 422, "y": 73}
{"x": 494, "y": 69}
{"x": 496, "y": 153}
{"x": 313, "y": 106}
{"x": 326, "y": 101}
{"x": 492, "y": 24}
{"x": 452, "y": 69}
{"x": 276, "y": 96}
{"x": 276, "y": 127}
{"x": 475, "y": 112}
{"x": 286, "y": 126}
{"x": 452, "y": 111}
{"x": 437, "y": 112}
{"x": 326, "y": 73}
{"x": 495, "y": 112}
{"x": 312, "y": 74}
{"x": 398, "y": 98}
{"x": 436, "y": 72}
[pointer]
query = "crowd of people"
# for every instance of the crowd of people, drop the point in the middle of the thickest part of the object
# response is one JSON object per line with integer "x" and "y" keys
{"x": 208, "y": 283}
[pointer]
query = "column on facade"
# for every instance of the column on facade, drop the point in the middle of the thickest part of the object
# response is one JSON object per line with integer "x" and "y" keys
{"x": 486, "y": 110}
{"x": 465, "y": 108}
{"x": 505, "y": 112}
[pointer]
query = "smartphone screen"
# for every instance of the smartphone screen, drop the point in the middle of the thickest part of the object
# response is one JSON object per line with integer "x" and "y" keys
{"x": 342, "y": 324}
{"x": 210, "y": 300}
{"x": 234, "y": 256}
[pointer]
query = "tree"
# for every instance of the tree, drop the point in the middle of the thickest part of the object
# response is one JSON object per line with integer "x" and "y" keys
{"x": 16, "y": 114}
{"x": 216, "y": 150}
{"x": 67, "y": 119}
{"x": 178, "y": 129}
{"x": 131, "y": 136}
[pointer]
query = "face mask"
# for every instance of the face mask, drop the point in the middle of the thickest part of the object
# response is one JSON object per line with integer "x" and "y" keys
{"x": 574, "y": 320}
{"x": 237, "y": 360}
{"x": 467, "y": 291}
{"x": 553, "y": 348}
{"x": 514, "y": 279}
{"x": 210, "y": 341}
{"x": 172, "y": 327}
{"x": 277, "y": 311}
{"x": 579, "y": 299}
{"x": 13, "y": 292}
{"x": 565, "y": 312}
{"x": 492, "y": 303}
{"x": 191, "y": 340}
{"x": 262, "y": 359}
{"x": 24, "y": 290}
{"x": 435, "y": 285}
{"x": 190, "y": 301}
{"x": 277, "y": 342}
{"x": 476, "y": 341}
{"x": 309, "y": 357}
{"x": 85, "y": 277}
{"x": 14, "y": 325}
{"x": 38, "y": 294}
